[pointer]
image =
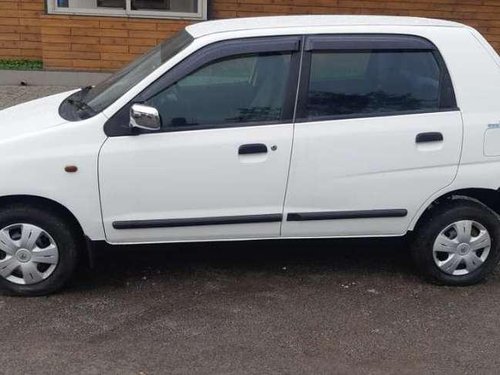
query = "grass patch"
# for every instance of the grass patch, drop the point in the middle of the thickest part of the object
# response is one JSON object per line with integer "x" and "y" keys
{"x": 21, "y": 65}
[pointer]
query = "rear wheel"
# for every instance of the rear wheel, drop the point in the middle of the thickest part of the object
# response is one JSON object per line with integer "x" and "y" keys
{"x": 38, "y": 251}
{"x": 458, "y": 243}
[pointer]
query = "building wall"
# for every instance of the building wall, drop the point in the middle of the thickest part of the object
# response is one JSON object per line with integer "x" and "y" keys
{"x": 106, "y": 43}
{"x": 99, "y": 43}
{"x": 20, "y": 36}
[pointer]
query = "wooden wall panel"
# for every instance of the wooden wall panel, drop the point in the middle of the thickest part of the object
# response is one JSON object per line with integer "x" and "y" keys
{"x": 107, "y": 43}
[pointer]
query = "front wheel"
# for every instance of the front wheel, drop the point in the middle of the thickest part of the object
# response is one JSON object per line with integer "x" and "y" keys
{"x": 38, "y": 251}
{"x": 458, "y": 243}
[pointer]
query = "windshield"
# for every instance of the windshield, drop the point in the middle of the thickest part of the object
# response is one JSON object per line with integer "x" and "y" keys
{"x": 91, "y": 100}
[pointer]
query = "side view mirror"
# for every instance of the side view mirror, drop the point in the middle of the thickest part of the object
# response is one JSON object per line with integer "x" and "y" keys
{"x": 144, "y": 117}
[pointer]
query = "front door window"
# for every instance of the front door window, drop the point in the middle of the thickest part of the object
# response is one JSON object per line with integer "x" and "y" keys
{"x": 236, "y": 90}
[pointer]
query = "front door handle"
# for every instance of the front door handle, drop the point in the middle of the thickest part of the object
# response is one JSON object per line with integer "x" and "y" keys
{"x": 252, "y": 148}
{"x": 429, "y": 137}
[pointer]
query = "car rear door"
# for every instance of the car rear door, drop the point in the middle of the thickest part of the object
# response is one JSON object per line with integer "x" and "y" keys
{"x": 219, "y": 166}
{"x": 378, "y": 132}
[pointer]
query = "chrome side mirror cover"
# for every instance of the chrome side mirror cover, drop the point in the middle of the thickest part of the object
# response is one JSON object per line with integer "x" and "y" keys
{"x": 144, "y": 117}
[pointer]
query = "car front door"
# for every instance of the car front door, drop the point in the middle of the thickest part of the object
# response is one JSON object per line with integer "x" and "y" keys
{"x": 378, "y": 132}
{"x": 218, "y": 167}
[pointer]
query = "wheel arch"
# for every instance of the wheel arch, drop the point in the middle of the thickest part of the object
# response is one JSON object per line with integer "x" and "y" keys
{"x": 38, "y": 201}
{"x": 485, "y": 196}
{"x": 59, "y": 209}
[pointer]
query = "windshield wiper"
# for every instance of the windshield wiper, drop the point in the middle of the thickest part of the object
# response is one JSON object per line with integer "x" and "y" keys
{"x": 81, "y": 105}
{"x": 86, "y": 88}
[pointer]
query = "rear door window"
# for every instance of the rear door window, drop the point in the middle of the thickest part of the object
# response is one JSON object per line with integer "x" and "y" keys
{"x": 379, "y": 81}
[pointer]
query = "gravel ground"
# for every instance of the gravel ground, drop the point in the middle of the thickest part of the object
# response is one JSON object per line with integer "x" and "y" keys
{"x": 270, "y": 307}
{"x": 10, "y": 95}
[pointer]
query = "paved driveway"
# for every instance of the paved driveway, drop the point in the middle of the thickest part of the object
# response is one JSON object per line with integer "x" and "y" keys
{"x": 273, "y": 307}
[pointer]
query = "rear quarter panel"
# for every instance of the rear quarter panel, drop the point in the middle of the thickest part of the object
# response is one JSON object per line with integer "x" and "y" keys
{"x": 475, "y": 72}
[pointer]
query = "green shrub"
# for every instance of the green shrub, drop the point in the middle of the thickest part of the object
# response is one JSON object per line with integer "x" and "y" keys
{"x": 21, "y": 64}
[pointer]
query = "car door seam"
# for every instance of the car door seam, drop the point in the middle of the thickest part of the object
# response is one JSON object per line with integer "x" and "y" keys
{"x": 99, "y": 186}
{"x": 297, "y": 91}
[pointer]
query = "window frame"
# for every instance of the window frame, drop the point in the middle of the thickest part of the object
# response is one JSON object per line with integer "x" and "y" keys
{"x": 201, "y": 14}
{"x": 364, "y": 43}
{"x": 204, "y": 56}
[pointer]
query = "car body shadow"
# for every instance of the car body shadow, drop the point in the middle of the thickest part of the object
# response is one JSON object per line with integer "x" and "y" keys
{"x": 117, "y": 265}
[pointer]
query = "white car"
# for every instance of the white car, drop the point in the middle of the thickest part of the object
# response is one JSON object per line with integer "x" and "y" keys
{"x": 264, "y": 128}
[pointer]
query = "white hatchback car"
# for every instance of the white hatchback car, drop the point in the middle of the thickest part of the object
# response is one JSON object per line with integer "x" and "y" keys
{"x": 279, "y": 127}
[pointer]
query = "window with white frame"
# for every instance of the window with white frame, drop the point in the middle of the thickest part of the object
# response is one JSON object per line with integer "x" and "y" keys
{"x": 190, "y": 9}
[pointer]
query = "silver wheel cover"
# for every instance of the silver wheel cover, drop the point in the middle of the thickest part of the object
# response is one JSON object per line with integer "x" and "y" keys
{"x": 28, "y": 254}
{"x": 462, "y": 247}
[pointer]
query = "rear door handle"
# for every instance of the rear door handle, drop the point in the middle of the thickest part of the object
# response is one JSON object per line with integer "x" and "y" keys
{"x": 429, "y": 137}
{"x": 252, "y": 148}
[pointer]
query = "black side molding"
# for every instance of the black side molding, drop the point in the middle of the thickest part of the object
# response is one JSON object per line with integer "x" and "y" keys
{"x": 249, "y": 219}
{"x": 221, "y": 220}
{"x": 342, "y": 215}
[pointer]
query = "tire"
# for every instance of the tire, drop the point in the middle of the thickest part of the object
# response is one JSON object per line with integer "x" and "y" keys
{"x": 43, "y": 250}
{"x": 458, "y": 264}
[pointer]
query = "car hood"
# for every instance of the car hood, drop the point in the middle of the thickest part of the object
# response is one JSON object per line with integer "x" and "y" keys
{"x": 31, "y": 117}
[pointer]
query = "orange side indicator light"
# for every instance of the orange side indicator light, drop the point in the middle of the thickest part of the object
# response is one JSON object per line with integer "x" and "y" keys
{"x": 71, "y": 168}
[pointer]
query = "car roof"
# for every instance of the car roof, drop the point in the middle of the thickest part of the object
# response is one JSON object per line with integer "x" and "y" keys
{"x": 303, "y": 22}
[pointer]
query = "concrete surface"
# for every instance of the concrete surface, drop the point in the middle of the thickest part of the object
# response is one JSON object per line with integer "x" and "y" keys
{"x": 272, "y": 307}
{"x": 11, "y": 95}
{"x": 53, "y": 78}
